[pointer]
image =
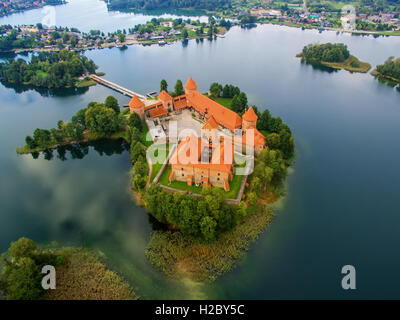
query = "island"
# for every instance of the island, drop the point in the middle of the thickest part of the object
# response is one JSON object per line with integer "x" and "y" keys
{"x": 82, "y": 274}
{"x": 333, "y": 55}
{"x": 64, "y": 69}
{"x": 388, "y": 72}
{"x": 205, "y": 165}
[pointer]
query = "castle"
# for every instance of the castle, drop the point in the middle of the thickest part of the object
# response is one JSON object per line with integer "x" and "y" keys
{"x": 211, "y": 163}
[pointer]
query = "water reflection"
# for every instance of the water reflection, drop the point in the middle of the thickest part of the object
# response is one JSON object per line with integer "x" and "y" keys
{"x": 319, "y": 66}
{"x": 45, "y": 92}
{"x": 81, "y": 150}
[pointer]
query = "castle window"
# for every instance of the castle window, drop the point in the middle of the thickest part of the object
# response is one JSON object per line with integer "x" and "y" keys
{"x": 183, "y": 174}
{"x": 218, "y": 179}
{"x": 219, "y": 173}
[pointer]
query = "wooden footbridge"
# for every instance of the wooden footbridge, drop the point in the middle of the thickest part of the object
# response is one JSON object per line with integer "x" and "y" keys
{"x": 116, "y": 87}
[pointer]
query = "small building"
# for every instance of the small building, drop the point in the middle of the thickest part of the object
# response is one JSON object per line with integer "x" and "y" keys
{"x": 197, "y": 161}
{"x": 168, "y": 24}
{"x": 136, "y": 105}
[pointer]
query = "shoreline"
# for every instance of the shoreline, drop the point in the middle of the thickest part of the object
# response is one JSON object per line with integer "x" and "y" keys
{"x": 219, "y": 35}
{"x": 195, "y": 254}
{"x": 363, "y": 67}
{"x": 375, "y": 73}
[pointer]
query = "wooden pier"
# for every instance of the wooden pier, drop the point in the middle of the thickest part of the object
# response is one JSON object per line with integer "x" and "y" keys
{"x": 117, "y": 87}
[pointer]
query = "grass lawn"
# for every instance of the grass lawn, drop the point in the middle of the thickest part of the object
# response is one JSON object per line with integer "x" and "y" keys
{"x": 180, "y": 185}
{"x": 86, "y": 83}
{"x": 157, "y": 166}
{"x": 226, "y": 102}
{"x": 352, "y": 64}
{"x": 235, "y": 186}
{"x": 143, "y": 136}
{"x": 156, "y": 169}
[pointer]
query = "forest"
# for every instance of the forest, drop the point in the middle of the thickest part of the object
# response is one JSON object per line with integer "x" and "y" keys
{"x": 391, "y": 68}
{"x": 47, "y": 69}
{"x": 169, "y": 4}
{"x": 327, "y": 52}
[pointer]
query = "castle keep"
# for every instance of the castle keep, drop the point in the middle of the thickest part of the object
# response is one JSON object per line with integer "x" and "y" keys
{"x": 205, "y": 160}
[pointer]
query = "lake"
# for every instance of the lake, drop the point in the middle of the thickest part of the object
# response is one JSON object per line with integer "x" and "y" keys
{"x": 342, "y": 194}
{"x": 89, "y": 15}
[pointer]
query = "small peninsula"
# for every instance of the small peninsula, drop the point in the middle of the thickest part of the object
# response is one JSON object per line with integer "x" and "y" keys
{"x": 213, "y": 204}
{"x": 81, "y": 274}
{"x": 333, "y": 55}
{"x": 52, "y": 70}
{"x": 389, "y": 71}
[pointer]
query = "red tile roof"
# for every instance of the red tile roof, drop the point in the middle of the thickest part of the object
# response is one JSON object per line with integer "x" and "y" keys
{"x": 250, "y": 115}
{"x": 259, "y": 139}
{"x": 222, "y": 115}
{"x": 164, "y": 96}
{"x": 191, "y": 84}
{"x": 158, "y": 112}
{"x": 210, "y": 124}
{"x": 189, "y": 153}
{"x": 136, "y": 103}
{"x": 180, "y": 102}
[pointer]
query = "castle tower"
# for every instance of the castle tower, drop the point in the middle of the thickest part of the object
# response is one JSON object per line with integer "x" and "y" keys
{"x": 249, "y": 119}
{"x": 209, "y": 130}
{"x": 166, "y": 100}
{"x": 190, "y": 86}
{"x": 136, "y": 105}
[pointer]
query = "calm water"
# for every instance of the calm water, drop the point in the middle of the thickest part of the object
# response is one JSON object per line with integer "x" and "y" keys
{"x": 89, "y": 15}
{"x": 342, "y": 202}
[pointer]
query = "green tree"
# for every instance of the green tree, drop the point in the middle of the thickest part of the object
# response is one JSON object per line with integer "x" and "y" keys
{"x": 42, "y": 138}
{"x": 101, "y": 121}
{"x": 207, "y": 227}
{"x": 20, "y": 270}
{"x": 252, "y": 198}
{"x": 241, "y": 210}
{"x": 273, "y": 141}
{"x": 112, "y": 102}
{"x": 164, "y": 85}
{"x": 215, "y": 89}
{"x": 179, "y": 88}
{"x": 30, "y": 142}
{"x": 287, "y": 145}
{"x": 121, "y": 37}
{"x": 137, "y": 150}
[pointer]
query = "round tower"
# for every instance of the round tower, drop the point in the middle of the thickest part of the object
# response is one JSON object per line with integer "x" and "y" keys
{"x": 190, "y": 86}
{"x": 249, "y": 119}
{"x": 136, "y": 105}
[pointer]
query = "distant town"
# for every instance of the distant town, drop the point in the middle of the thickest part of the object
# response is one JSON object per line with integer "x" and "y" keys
{"x": 162, "y": 31}
{"x": 13, "y": 6}
{"x": 318, "y": 14}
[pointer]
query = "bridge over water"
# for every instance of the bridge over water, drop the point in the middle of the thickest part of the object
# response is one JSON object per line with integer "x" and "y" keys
{"x": 117, "y": 87}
